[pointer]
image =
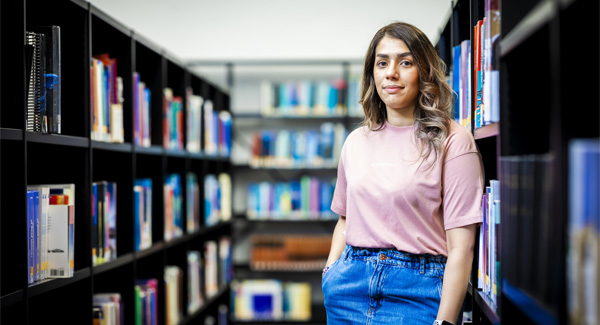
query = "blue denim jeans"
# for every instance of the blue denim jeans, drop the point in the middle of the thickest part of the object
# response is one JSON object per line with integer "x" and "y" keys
{"x": 383, "y": 286}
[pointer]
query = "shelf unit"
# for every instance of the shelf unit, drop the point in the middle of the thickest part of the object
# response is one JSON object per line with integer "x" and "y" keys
{"x": 72, "y": 157}
{"x": 537, "y": 94}
{"x": 247, "y": 117}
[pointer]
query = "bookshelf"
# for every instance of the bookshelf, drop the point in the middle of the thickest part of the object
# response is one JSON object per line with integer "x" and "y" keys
{"x": 74, "y": 157}
{"x": 538, "y": 120}
{"x": 245, "y": 79}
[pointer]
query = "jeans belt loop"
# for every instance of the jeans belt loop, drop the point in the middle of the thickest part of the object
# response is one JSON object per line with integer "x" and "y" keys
{"x": 422, "y": 264}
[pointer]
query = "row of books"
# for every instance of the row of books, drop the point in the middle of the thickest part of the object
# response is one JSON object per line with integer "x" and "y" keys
{"x": 270, "y": 300}
{"x": 304, "y": 97}
{"x": 217, "y": 131}
{"x": 205, "y": 276}
{"x": 488, "y": 274}
{"x": 217, "y": 205}
{"x": 209, "y": 272}
{"x": 298, "y": 149}
{"x": 461, "y": 83}
{"x": 308, "y": 198}
{"x": 104, "y": 222}
{"x": 529, "y": 227}
{"x": 43, "y": 79}
{"x": 146, "y": 304}
{"x": 172, "y": 120}
{"x": 50, "y": 231}
{"x": 486, "y": 75}
{"x": 106, "y": 100}
{"x": 217, "y": 198}
{"x": 583, "y": 256}
{"x": 289, "y": 252}
{"x": 108, "y": 309}
{"x": 222, "y": 317}
{"x": 141, "y": 112}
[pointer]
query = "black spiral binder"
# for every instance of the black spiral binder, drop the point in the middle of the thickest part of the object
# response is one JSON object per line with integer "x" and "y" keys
{"x": 36, "y": 96}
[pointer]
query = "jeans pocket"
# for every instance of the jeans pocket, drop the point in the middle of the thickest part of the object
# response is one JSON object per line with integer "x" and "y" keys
{"x": 440, "y": 285}
{"x": 331, "y": 266}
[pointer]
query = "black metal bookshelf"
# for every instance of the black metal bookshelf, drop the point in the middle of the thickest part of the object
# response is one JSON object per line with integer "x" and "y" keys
{"x": 73, "y": 157}
{"x": 538, "y": 99}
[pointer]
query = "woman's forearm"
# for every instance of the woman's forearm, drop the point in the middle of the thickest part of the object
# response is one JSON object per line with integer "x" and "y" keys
{"x": 458, "y": 269}
{"x": 338, "y": 241}
{"x": 454, "y": 289}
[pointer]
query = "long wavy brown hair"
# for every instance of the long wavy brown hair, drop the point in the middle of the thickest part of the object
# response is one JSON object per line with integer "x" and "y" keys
{"x": 433, "y": 111}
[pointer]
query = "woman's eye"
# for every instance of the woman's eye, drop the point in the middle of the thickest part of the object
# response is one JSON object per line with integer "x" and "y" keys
{"x": 381, "y": 64}
{"x": 406, "y": 63}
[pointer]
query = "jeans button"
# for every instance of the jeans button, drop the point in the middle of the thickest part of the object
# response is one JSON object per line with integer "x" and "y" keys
{"x": 382, "y": 257}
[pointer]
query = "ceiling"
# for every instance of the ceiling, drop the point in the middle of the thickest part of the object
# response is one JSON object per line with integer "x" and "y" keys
{"x": 262, "y": 30}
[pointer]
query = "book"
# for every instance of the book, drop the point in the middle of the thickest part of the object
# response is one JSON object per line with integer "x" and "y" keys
{"x": 192, "y": 203}
{"x": 173, "y": 224}
{"x": 61, "y": 230}
{"x": 194, "y": 121}
{"x": 225, "y": 137}
{"x": 31, "y": 249}
{"x": 141, "y": 112}
{"x": 173, "y": 294}
{"x": 271, "y": 300}
{"x": 106, "y": 89}
{"x": 211, "y": 267}
{"x": 226, "y": 194}
{"x": 51, "y": 117}
{"x": 195, "y": 281}
{"x": 225, "y": 261}
{"x": 146, "y": 309}
{"x": 36, "y": 97}
{"x": 258, "y": 300}
{"x": 583, "y": 234}
{"x": 142, "y": 195}
{"x": 110, "y": 306}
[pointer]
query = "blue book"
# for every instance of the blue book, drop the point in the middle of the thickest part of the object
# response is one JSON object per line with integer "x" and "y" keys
{"x": 456, "y": 81}
{"x": 36, "y": 237}
{"x": 296, "y": 195}
{"x": 138, "y": 199}
{"x": 332, "y": 99}
{"x": 30, "y": 236}
{"x": 312, "y": 147}
{"x": 326, "y": 141}
{"x": 325, "y": 197}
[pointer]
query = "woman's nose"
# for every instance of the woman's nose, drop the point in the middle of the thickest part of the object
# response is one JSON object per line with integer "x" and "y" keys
{"x": 392, "y": 72}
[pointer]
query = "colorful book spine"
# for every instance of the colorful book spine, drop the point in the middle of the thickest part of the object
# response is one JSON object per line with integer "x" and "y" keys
{"x": 583, "y": 258}
{"x": 194, "y": 121}
{"x": 142, "y": 195}
{"x": 308, "y": 198}
{"x": 195, "y": 281}
{"x": 271, "y": 300}
{"x": 298, "y": 149}
{"x": 303, "y": 98}
{"x": 106, "y": 100}
{"x": 173, "y": 227}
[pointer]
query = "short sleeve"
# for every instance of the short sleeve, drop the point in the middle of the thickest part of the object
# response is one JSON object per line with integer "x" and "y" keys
{"x": 462, "y": 190}
{"x": 338, "y": 203}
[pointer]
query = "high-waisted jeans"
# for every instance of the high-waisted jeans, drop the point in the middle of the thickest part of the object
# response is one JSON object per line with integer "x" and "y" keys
{"x": 383, "y": 286}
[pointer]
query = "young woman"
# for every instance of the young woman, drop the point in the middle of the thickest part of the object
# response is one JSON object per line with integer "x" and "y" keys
{"x": 408, "y": 193}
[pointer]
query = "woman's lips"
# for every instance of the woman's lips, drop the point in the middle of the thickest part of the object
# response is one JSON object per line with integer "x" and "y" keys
{"x": 392, "y": 89}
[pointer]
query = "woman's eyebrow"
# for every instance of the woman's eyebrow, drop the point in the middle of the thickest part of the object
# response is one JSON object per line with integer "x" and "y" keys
{"x": 400, "y": 55}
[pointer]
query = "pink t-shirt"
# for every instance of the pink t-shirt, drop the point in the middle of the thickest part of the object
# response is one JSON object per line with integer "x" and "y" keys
{"x": 389, "y": 201}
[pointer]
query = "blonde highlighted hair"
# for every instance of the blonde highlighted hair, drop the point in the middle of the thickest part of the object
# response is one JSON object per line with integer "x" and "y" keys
{"x": 433, "y": 112}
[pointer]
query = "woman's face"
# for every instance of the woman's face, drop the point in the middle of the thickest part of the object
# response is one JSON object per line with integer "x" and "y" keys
{"x": 396, "y": 75}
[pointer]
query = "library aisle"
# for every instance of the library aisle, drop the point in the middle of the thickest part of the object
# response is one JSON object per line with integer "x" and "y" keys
{"x": 137, "y": 187}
